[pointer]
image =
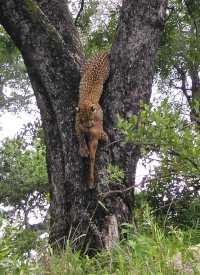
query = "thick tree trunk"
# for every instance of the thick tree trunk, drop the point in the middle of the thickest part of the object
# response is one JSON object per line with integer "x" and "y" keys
{"x": 52, "y": 53}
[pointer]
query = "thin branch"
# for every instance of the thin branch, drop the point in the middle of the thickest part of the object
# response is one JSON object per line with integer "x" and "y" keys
{"x": 170, "y": 10}
{"x": 182, "y": 74}
{"x": 168, "y": 205}
{"x": 114, "y": 142}
{"x": 179, "y": 87}
{"x": 109, "y": 193}
{"x": 131, "y": 188}
{"x": 79, "y": 13}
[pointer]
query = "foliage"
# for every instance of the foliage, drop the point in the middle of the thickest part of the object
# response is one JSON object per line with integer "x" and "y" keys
{"x": 115, "y": 174}
{"x": 173, "y": 188}
{"x": 15, "y": 92}
{"x": 174, "y": 203}
{"x": 165, "y": 131}
{"x": 16, "y": 245}
{"x": 181, "y": 39}
{"x": 178, "y": 61}
{"x": 97, "y": 25}
{"x": 23, "y": 176}
{"x": 101, "y": 38}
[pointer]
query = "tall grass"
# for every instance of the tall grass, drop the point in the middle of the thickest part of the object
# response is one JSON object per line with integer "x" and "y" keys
{"x": 152, "y": 253}
{"x": 149, "y": 251}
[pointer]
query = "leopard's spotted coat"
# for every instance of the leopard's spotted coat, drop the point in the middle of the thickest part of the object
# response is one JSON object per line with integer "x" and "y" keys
{"x": 89, "y": 117}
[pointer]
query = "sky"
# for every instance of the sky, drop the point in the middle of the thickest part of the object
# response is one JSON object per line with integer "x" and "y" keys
{"x": 12, "y": 123}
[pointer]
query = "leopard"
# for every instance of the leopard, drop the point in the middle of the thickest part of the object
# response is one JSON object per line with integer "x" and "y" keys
{"x": 89, "y": 114}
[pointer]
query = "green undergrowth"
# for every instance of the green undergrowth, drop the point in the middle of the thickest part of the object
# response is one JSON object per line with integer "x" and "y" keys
{"x": 152, "y": 253}
{"x": 149, "y": 249}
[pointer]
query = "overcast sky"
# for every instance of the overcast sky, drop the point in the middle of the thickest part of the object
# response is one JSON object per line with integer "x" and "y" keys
{"x": 12, "y": 123}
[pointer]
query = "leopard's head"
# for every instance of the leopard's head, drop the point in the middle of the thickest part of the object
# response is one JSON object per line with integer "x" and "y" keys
{"x": 86, "y": 114}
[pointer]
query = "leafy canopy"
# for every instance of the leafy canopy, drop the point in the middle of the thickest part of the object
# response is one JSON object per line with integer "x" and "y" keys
{"x": 23, "y": 175}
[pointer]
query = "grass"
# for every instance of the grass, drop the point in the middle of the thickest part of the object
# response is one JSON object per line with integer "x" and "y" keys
{"x": 151, "y": 251}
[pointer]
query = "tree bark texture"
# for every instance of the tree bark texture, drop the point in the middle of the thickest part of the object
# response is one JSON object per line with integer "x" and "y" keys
{"x": 45, "y": 34}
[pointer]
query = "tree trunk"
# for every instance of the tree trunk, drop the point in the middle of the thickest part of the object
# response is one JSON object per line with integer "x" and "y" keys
{"x": 52, "y": 53}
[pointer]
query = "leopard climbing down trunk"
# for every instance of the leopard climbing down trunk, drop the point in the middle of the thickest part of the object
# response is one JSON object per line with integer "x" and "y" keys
{"x": 89, "y": 117}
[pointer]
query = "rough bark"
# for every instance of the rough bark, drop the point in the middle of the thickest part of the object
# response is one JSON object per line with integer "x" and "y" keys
{"x": 53, "y": 54}
{"x": 59, "y": 15}
{"x": 54, "y": 73}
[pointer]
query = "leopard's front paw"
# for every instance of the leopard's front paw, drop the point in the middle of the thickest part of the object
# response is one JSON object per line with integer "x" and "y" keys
{"x": 84, "y": 152}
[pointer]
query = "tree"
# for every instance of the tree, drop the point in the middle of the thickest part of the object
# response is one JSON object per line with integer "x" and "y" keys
{"x": 13, "y": 75}
{"x": 23, "y": 179}
{"x": 45, "y": 34}
{"x": 179, "y": 58}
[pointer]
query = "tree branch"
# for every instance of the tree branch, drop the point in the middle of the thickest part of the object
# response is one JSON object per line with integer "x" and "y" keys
{"x": 59, "y": 15}
{"x": 40, "y": 42}
{"x": 123, "y": 191}
{"x": 182, "y": 74}
{"x": 79, "y": 13}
